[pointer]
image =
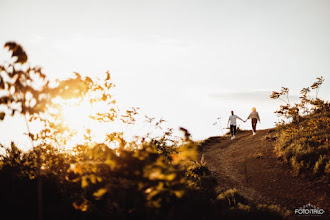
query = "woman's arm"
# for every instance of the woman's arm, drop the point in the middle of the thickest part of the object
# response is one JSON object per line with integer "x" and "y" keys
{"x": 248, "y": 117}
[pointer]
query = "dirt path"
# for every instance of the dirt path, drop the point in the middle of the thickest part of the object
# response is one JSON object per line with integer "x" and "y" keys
{"x": 248, "y": 163}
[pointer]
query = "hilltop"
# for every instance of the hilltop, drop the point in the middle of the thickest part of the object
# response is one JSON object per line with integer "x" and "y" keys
{"x": 249, "y": 164}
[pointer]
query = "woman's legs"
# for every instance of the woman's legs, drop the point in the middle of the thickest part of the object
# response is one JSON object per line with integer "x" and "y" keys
{"x": 254, "y": 124}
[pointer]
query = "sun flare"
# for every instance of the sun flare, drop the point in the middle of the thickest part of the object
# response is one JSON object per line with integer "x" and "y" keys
{"x": 76, "y": 116}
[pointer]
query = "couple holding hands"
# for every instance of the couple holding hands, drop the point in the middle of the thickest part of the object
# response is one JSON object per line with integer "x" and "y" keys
{"x": 254, "y": 116}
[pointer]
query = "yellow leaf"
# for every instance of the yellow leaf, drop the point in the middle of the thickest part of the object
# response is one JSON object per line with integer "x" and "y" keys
{"x": 83, "y": 206}
{"x": 179, "y": 193}
{"x": 99, "y": 193}
{"x": 170, "y": 177}
{"x": 93, "y": 178}
{"x": 84, "y": 182}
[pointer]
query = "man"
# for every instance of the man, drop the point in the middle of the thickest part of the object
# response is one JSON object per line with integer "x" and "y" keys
{"x": 232, "y": 121}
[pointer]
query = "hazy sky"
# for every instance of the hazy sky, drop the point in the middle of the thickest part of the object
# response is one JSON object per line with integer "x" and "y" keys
{"x": 187, "y": 61}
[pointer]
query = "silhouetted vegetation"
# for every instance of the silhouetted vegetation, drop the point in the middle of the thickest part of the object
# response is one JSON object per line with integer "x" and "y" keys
{"x": 303, "y": 139}
{"x": 149, "y": 178}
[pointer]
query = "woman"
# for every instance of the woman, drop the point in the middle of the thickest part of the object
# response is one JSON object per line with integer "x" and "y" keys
{"x": 254, "y": 116}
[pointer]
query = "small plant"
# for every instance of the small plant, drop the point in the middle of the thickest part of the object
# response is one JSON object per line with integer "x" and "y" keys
{"x": 217, "y": 123}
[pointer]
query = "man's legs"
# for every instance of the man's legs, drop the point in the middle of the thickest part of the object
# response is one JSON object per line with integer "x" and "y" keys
{"x": 232, "y": 131}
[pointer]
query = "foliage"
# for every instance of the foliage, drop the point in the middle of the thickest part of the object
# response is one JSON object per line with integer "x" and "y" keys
{"x": 26, "y": 90}
{"x": 19, "y": 183}
{"x": 304, "y": 143}
{"x": 125, "y": 181}
{"x": 121, "y": 183}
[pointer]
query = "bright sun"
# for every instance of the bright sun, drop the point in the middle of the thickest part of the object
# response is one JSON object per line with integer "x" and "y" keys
{"x": 76, "y": 116}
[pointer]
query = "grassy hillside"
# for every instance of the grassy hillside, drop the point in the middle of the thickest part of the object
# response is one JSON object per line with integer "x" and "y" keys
{"x": 305, "y": 144}
{"x": 304, "y": 141}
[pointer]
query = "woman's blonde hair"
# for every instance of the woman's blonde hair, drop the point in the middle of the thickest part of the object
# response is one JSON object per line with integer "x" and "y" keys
{"x": 254, "y": 109}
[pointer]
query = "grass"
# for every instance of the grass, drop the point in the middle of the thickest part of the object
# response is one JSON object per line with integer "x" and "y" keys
{"x": 305, "y": 144}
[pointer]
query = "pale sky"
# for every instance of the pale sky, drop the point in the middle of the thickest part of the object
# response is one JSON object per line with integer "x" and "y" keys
{"x": 189, "y": 62}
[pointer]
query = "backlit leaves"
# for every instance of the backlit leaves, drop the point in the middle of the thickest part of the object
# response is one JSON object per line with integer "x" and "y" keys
{"x": 100, "y": 193}
{"x": 17, "y": 51}
{"x": 306, "y": 105}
